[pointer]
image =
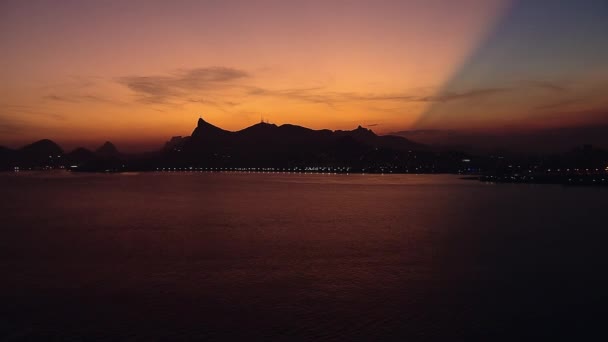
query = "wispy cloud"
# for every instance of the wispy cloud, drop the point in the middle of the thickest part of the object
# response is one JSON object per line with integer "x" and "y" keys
{"x": 547, "y": 85}
{"x": 471, "y": 94}
{"x": 10, "y": 110}
{"x": 559, "y": 104}
{"x": 78, "y": 98}
{"x": 59, "y": 98}
{"x": 319, "y": 95}
{"x": 310, "y": 95}
{"x": 161, "y": 89}
{"x": 225, "y": 87}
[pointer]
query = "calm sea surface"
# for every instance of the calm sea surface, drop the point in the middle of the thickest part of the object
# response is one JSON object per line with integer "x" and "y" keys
{"x": 182, "y": 256}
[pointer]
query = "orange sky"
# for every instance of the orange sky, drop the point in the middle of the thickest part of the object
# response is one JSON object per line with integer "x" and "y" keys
{"x": 139, "y": 72}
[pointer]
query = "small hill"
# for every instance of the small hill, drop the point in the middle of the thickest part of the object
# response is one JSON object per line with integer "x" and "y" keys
{"x": 42, "y": 147}
{"x": 41, "y": 152}
{"x": 107, "y": 150}
{"x": 79, "y": 155}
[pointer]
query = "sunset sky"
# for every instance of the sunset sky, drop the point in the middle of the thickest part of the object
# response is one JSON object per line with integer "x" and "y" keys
{"x": 139, "y": 72}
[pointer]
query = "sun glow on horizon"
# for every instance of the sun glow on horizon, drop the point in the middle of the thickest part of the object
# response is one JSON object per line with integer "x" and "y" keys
{"x": 138, "y": 72}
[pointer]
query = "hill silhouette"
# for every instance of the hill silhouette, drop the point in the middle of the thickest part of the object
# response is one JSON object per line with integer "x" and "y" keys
{"x": 80, "y": 155}
{"x": 266, "y": 144}
{"x": 260, "y": 145}
{"x": 287, "y": 147}
{"x": 43, "y": 151}
{"x": 107, "y": 150}
{"x": 42, "y": 148}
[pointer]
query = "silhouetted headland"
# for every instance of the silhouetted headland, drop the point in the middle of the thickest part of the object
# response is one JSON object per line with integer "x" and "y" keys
{"x": 266, "y": 147}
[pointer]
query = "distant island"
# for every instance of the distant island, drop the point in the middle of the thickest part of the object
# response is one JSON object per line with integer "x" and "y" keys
{"x": 267, "y": 147}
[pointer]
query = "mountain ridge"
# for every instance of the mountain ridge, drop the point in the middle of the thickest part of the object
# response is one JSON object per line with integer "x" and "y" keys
{"x": 286, "y": 131}
{"x": 265, "y": 144}
{"x": 261, "y": 144}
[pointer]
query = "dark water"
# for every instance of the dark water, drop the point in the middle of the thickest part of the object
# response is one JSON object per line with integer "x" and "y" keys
{"x": 299, "y": 257}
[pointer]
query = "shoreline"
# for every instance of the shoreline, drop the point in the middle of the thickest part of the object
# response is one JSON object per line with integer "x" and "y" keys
{"x": 596, "y": 180}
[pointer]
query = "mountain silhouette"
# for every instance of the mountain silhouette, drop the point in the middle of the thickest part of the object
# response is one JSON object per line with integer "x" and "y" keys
{"x": 205, "y": 129}
{"x": 292, "y": 134}
{"x": 107, "y": 150}
{"x": 41, "y": 152}
{"x": 80, "y": 155}
{"x": 44, "y": 147}
{"x": 266, "y": 144}
{"x": 260, "y": 145}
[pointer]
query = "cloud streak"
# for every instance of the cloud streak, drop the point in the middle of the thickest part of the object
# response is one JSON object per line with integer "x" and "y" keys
{"x": 161, "y": 89}
{"x": 25, "y": 110}
{"x": 318, "y": 95}
{"x": 471, "y": 94}
{"x": 78, "y": 98}
{"x": 220, "y": 86}
{"x": 550, "y": 86}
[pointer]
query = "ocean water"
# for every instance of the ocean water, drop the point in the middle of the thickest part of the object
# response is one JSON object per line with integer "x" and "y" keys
{"x": 244, "y": 256}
